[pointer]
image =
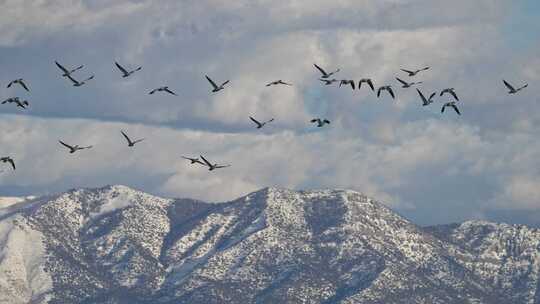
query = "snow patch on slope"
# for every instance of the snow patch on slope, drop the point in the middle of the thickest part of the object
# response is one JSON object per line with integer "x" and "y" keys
{"x": 8, "y": 201}
{"x": 23, "y": 278}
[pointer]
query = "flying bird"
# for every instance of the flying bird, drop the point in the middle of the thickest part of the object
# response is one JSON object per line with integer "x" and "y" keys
{"x": 277, "y": 82}
{"x": 131, "y": 143}
{"x": 66, "y": 71}
{"x": 323, "y": 72}
{"x": 260, "y": 124}
{"x": 8, "y": 159}
{"x": 21, "y": 104}
{"x": 211, "y": 166}
{"x": 215, "y": 87}
{"x": 413, "y": 73}
{"x": 194, "y": 160}
{"x": 126, "y": 73}
{"x": 368, "y": 81}
{"x": 20, "y": 82}
{"x": 450, "y": 91}
{"x": 426, "y": 101}
{"x": 77, "y": 83}
{"x": 511, "y": 88}
{"x": 162, "y": 89}
{"x": 407, "y": 84}
{"x": 347, "y": 82}
{"x": 386, "y": 88}
{"x": 73, "y": 149}
{"x": 320, "y": 122}
{"x": 328, "y": 81}
{"x": 451, "y": 104}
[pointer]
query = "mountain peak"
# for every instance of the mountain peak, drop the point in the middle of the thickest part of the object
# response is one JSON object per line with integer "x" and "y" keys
{"x": 271, "y": 246}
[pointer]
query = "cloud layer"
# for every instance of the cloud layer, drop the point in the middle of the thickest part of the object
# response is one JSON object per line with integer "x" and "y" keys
{"x": 434, "y": 168}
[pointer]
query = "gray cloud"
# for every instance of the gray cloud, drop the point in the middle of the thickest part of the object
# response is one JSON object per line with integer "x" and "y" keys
{"x": 433, "y": 167}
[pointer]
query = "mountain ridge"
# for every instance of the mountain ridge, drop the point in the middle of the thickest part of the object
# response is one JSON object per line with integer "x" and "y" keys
{"x": 119, "y": 245}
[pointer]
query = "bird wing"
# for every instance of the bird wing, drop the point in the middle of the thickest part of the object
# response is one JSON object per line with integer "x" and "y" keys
{"x": 432, "y": 95}
{"x": 87, "y": 147}
{"x": 424, "y": 69}
{"x": 138, "y": 140}
{"x": 225, "y": 83}
{"x": 65, "y": 145}
{"x": 126, "y": 137}
{"x": 443, "y": 91}
{"x": 76, "y": 69}
{"x": 120, "y": 68}
{"x": 12, "y": 163}
{"x": 509, "y": 86}
{"x": 9, "y": 84}
{"x": 391, "y": 92}
{"x": 255, "y": 121}
{"x": 206, "y": 161}
{"x": 270, "y": 120}
{"x": 422, "y": 96}
{"x": 407, "y": 71}
{"x": 456, "y": 108}
{"x": 443, "y": 107}
{"x": 351, "y": 82}
{"x": 379, "y": 92}
{"x": 314, "y": 120}
{"x": 169, "y": 91}
{"x": 211, "y": 82}
{"x": 326, "y": 121}
{"x": 24, "y": 85}
{"x": 321, "y": 70}
{"x": 22, "y": 104}
{"x": 455, "y": 95}
{"x": 402, "y": 82}
{"x": 89, "y": 78}
{"x": 221, "y": 166}
{"x": 72, "y": 79}
{"x": 61, "y": 67}
{"x": 370, "y": 83}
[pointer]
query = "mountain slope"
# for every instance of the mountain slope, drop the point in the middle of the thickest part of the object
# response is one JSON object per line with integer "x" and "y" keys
{"x": 119, "y": 245}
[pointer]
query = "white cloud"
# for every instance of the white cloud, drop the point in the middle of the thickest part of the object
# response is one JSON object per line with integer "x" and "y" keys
{"x": 397, "y": 151}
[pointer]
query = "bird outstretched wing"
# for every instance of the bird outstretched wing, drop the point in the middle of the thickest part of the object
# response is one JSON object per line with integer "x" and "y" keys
{"x": 456, "y": 109}
{"x": 65, "y": 145}
{"x": 407, "y": 71}
{"x": 126, "y": 137}
{"x": 321, "y": 70}
{"x": 206, "y": 161}
{"x": 72, "y": 79}
{"x": 391, "y": 92}
{"x": 509, "y": 86}
{"x": 61, "y": 67}
{"x": 211, "y": 82}
{"x": 121, "y": 68}
{"x": 402, "y": 82}
{"x": 255, "y": 121}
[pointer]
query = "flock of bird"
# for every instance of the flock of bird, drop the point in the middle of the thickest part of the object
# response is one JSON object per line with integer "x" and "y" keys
{"x": 326, "y": 78}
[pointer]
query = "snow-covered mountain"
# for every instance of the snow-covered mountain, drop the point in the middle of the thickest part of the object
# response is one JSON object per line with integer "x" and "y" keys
{"x": 119, "y": 245}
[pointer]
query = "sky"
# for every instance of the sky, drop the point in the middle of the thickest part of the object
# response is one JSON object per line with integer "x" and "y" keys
{"x": 433, "y": 168}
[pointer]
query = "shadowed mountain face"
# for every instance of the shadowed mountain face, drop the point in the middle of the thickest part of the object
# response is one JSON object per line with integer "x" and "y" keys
{"x": 118, "y": 245}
